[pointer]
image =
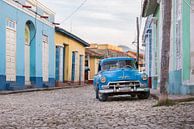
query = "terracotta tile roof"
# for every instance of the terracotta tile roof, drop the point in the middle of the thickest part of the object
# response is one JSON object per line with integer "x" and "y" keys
{"x": 93, "y": 53}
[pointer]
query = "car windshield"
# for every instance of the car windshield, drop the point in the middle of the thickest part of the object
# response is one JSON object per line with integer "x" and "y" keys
{"x": 114, "y": 64}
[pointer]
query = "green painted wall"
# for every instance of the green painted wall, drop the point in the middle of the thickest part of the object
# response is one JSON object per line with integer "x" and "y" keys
{"x": 186, "y": 39}
{"x": 157, "y": 13}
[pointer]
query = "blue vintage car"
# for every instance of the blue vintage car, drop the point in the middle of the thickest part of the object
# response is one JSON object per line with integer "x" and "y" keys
{"x": 118, "y": 76}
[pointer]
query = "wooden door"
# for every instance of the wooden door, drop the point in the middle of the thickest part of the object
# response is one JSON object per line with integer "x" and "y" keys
{"x": 11, "y": 51}
{"x": 45, "y": 59}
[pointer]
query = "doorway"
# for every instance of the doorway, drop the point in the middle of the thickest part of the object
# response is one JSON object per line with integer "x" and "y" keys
{"x": 11, "y": 50}
{"x": 45, "y": 58}
{"x": 29, "y": 35}
{"x": 60, "y": 58}
{"x": 81, "y": 68}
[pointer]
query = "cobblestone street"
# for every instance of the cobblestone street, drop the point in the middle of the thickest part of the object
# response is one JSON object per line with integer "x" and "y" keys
{"x": 78, "y": 108}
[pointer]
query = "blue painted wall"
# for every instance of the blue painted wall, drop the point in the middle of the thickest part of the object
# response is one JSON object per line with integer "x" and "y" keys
{"x": 21, "y": 18}
{"x": 176, "y": 85}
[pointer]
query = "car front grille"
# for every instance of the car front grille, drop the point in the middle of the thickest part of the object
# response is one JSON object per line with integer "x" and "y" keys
{"x": 124, "y": 84}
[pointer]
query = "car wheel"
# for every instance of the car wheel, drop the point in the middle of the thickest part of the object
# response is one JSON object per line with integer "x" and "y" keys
{"x": 133, "y": 95}
{"x": 144, "y": 95}
{"x": 101, "y": 97}
{"x": 96, "y": 94}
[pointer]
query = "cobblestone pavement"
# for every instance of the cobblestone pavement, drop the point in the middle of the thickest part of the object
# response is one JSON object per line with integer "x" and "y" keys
{"x": 78, "y": 108}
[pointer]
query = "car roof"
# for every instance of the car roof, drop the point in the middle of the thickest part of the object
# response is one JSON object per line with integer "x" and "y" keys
{"x": 116, "y": 58}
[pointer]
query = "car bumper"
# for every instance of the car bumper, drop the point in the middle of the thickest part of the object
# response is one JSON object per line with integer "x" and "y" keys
{"x": 124, "y": 90}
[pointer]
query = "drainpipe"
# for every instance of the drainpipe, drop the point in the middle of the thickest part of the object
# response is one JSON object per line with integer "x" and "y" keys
{"x": 137, "y": 42}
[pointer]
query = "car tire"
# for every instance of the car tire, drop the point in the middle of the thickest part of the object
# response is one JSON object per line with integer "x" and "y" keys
{"x": 101, "y": 97}
{"x": 96, "y": 94}
{"x": 144, "y": 95}
{"x": 133, "y": 95}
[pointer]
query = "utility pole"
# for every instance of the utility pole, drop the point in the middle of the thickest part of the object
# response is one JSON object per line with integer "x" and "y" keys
{"x": 137, "y": 22}
{"x": 166, "y": 29}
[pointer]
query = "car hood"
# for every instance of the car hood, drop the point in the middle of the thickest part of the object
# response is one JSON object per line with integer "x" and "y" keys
{"x": 121, "y": 74}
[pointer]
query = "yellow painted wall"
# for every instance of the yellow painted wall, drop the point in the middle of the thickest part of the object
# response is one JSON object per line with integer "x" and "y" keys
{"x": 93, "y": 67}
{"x": 71, "y": 45}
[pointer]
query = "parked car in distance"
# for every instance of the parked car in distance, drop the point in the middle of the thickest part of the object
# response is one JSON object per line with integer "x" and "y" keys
{"x": 119, "y": 76}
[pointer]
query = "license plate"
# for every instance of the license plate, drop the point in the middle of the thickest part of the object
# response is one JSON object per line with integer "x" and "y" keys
{"x": 125, "y": 89}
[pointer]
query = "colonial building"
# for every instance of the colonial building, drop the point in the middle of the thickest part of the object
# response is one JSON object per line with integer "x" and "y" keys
{"x": 108, "y": 50}
{"x": 105, "y": 46}
{"x": 181, "y": 75}
{"x": 27, "y": 45}
{"x": 92, "y": 60}
{"x": 70, "y": 56}
{"x": 147, "y": 40}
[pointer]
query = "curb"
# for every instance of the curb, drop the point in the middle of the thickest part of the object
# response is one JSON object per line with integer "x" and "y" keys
{"x": 39, "y": 89}
{"x": 154, "y": 96}
{"x": 188, "y": 99}
{"x": 180, "y": 99}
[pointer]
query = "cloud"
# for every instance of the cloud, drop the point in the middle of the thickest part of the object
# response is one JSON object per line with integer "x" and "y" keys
{"x": 100, "y": 21}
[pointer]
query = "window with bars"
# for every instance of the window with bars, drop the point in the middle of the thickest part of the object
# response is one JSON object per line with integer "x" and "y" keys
{"x": 11, "y": 24}
{"x": 45, "y": 38}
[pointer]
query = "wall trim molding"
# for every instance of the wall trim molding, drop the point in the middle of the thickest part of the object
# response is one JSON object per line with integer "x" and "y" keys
{"x": 30, "y": 13}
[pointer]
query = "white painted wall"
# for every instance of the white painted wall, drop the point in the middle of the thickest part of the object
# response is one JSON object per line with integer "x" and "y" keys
{"x": 160, "y": 23}
{"x": 27, "y": 64}
{"x": 146, "y": 55}
{"x": 172, "y": 36}
{"x": 154, "y": 21}
{"x": 192, "y": 41}
{"x": 27, "y": 55}
{"x": 179, "y": 36}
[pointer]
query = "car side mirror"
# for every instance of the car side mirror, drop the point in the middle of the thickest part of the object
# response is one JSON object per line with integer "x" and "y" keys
{"x": 136, "y": 63}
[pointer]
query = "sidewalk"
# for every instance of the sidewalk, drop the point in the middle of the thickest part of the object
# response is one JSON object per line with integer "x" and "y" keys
{"x": 41, "y": 89}
{"x": 177, "y": 98}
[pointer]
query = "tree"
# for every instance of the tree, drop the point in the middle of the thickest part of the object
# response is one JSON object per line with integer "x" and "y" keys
{"x": 166, "y": 29}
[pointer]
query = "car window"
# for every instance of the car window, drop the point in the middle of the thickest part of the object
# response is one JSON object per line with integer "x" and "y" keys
{"x": 109, "y": 65}
{"x": 127, "y": 64}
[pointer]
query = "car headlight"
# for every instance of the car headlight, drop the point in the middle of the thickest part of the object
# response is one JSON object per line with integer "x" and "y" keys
{"x": 103, "y": 79}
{"x": 144, "y": 77}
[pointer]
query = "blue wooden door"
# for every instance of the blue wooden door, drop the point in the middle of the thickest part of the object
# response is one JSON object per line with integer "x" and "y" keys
{"x": 64, "y": 51}
{"x": 57, "y": 63}
{"x": 81, "y": 68}
{"x": 73, "y": 67}
{"x": 60, "y": 64}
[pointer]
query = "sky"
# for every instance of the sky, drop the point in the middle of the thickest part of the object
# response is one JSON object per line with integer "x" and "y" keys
{"x": 99, "y": 21}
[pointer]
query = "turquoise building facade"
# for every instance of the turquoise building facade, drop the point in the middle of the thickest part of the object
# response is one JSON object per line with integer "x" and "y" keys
{"x": 27, "y": 46}
{"x": 181, "y": 75}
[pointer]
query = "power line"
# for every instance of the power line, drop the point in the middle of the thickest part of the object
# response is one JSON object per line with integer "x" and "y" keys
{"x": 77, "y": 9}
